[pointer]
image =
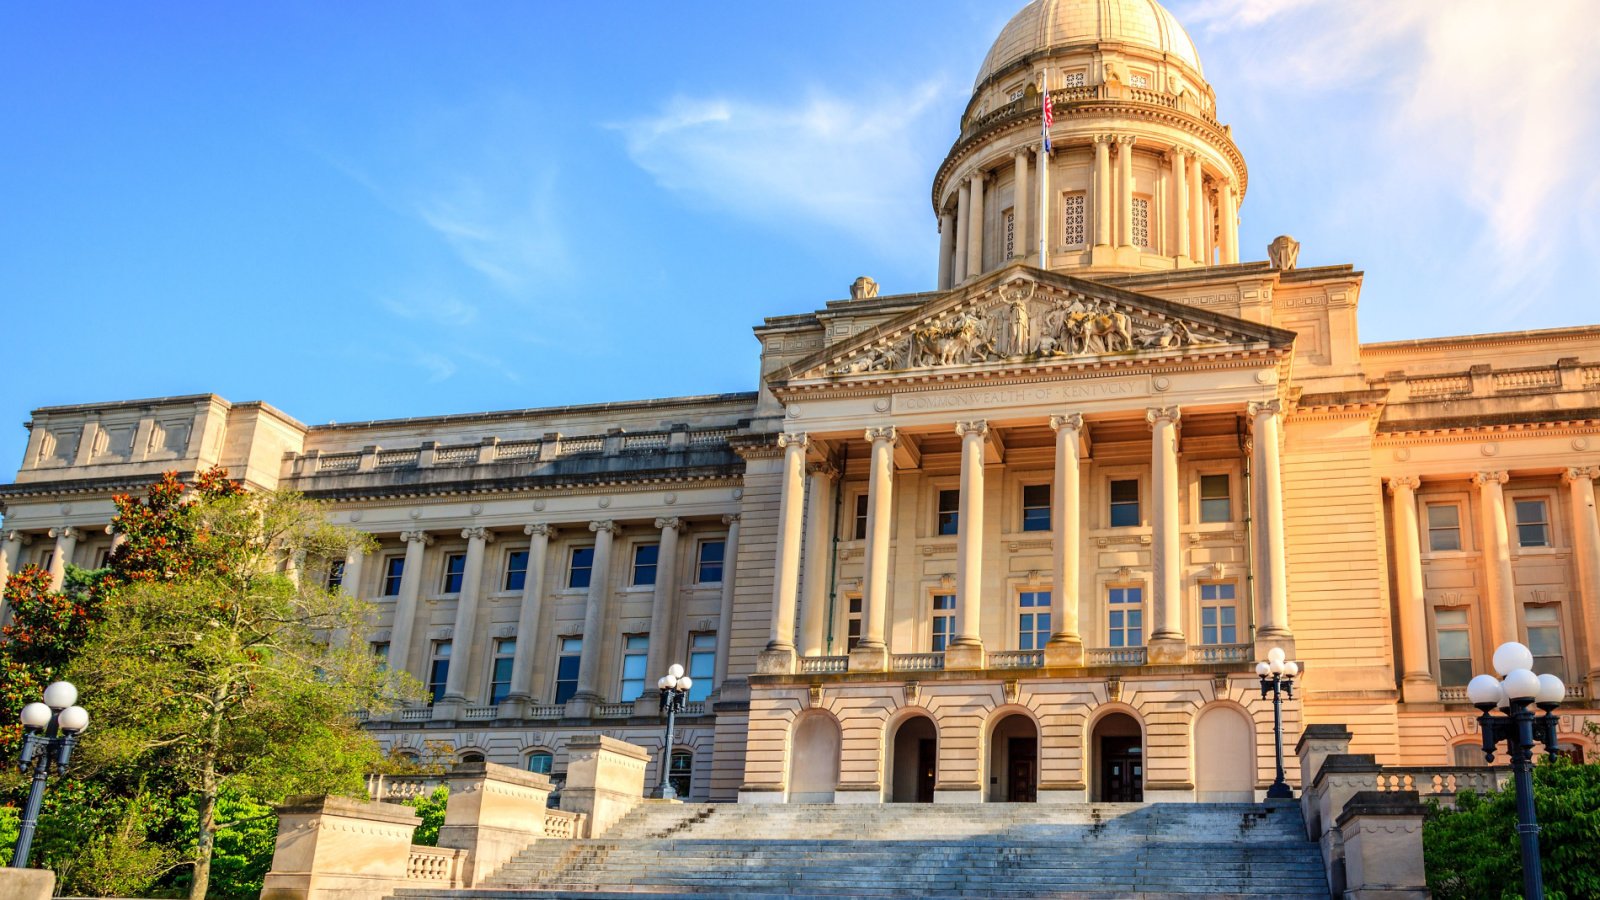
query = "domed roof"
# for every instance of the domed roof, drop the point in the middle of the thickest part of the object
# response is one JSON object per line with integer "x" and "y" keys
{"x": 1046, "y": 24}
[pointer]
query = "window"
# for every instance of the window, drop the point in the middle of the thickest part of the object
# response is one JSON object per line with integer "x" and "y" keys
{"x": 1125, "y": 503}
{"x": 468, "y": 758}
{"x": 1444, "y": 526}
{"x": 1141, "y": 221}
{"x": 949, "y": 512}
{"x": 505, "y": 651}
{"x": 1072, "y": 224}
{"x": 645, "y": 557}
{"x": 1011, "y": 233}
{"x": 635, "y": 652}
{"x": 681, "y": 772}
{"x": 438, "y": 671}
{"x": 394, "y": 570}
{"x": 1219, "y": 615}
{"x": 568, "y": 659}
{"x": 1016, "y": 94}
{"x": 1075, "y": 79}
{"x": 1036, "y": 507}
{"x": 860, "y": 530}
{"x": 944, "y": 621}
{"x": 541, "y": 761}
{"x": 853, "y": 626}
{"x": 1544, "y": 639}
{"x": 1033, "y": 620}
{"x": 702, "y": 663}
{"x": 709, "y": 568}
{"x": 380, "y": 649}
{"x": 1125, "y": 617}
{"x": 1216, "y": 504}
{"x": 516, "y": 570}
{"x": 454, "y": 565}
{"x": 1533, "y": 524}
{"x": 1138, "y": 79}
{"x": 1469, "y": 755}
{"x": 1455, "y": 647}
{"x": 581, "y": 567}
{"x": 335, "y": 574}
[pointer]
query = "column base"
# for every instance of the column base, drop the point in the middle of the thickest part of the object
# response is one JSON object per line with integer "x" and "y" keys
{"x": 1282, "y": 639}
{"x": 582, "y": 706}
{"x": 775, "y": 661}
{"x": 648, "y": 704}
{"x": 1419, "y": 689}
{"x": 1169, "y": 650}
{"x": 1102, "y": 255}
{"x": 1182, "y": 261}
{"x": 1127, "y": 255}
{"x": 1064, "y": 652}
{"x": 448, "y": 709}
{"x": 869, "y": 658}
{"x": 965, "y": 656}
{"x": 514, "y": 706}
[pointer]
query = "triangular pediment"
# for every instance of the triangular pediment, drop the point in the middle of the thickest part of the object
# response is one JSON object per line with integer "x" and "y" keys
{"x": 1023, "y": 317}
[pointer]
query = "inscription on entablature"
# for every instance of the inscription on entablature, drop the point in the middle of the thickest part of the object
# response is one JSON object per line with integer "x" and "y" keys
{"x": 991, "y": 398}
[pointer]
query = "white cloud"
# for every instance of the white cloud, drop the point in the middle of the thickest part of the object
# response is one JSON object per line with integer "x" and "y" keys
{"x": 439, "y": 309}
{"x": 506, "y": 230}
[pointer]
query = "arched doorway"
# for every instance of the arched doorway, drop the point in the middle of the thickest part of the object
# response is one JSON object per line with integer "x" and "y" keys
{"x": 1224, "y": 756}
{"x": 814, "y": 759}
{"x": 1014, "y": 760}
{"x": 1118, "y": 747}
{"x": 913, "y": 761}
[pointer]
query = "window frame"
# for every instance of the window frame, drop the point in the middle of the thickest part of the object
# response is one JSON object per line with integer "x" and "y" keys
{"x": 1514, "y": 510}
{"x": 861, "y": 507}
{"x": 1542, "y": 663}
{"x": 1142, "y": 207}
{"x": 459, "y": 576}
{"x": 548, "y": 756}
{"x": 700, "y": 562}
{"x": 681, "y": 778}
{"x": 1466, "y": 628}
{"x": 630, "y": 652}
{"x": 853, "y": 610}
{"x": 573, "y": 568}
{"x": 1048, "y": 507}
{"x": 334, "y": 580}
{"x": 510, "y": 569}
{"x": 498, "y": 655}
{"x": 1219, "y": 604}
{"x": 1202, "y": 516}
{"x": 1112, "y": 606}
{"x": 1037, "y": 636}
{"x": 636, "y": 568}
{"x": 1428, "y": 529}
{"x": 941, "y": 620}
{"x": 702, "y": 663}
{"x": 439, "y": 678}
{"x": 394, "y": 574}
{"x": 940, "y": 513}
{"x": 566, "y": 651}
{"x": 1074, "y": 219}
{"x": 1112, "y": 503}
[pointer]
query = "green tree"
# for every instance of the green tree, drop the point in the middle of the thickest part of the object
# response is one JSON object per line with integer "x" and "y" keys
{"x": 431, "y": 809}
{"x": 45, "y": 629}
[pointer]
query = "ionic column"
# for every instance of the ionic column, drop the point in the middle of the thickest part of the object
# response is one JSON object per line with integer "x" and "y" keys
{"x": 1166, "y": 638}
{"x": 1230, "y": 223}
{"x": 1066, "y": 645}
{"x": 1019, "y": 202}
{"x": 963, "y": 208}
{"x": 975, "y": 226}
{"x": 1125, "y": 191}
{"x": 779, "y": 655}
{"x": 661, "y": 602}
{"x": 872, "y": 653}
{"x": 819, "y": 553}
{"x": 405, "y": 605}
{"x": 520, "y": 691}
{"x": 947, "y": 243}
{"x": 355, "y": 560}
{"x": 1417, "y": 684}
{"x": 1272, "y": 572}
{"x": 1047, "y": 209}
{"x": 66, "y": 544}
{"x": 730, "y": 557}
{"x": 1197, "y": 210}
{"x": 117, "y": 540}
{"x": 11, "y": 543}
{"x": 1180, "y": 193}
{"x": 1496, "y": 543}
{"x": 1586, "y": 534}
{"x": 594, "y": 621}
{"x": 465, "y": 631}
{"x": 1102, "y": 189}
{"x": 966, "y": 650}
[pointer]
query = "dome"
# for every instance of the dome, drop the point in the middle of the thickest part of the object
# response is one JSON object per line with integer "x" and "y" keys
{"x": 1047, "y": 24}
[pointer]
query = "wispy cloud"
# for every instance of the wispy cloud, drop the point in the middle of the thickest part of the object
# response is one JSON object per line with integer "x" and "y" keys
{"x": 431, "y": 307}
{"x": 504, "y": 227}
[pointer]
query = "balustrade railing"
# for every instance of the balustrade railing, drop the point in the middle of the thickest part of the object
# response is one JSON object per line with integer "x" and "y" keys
{"x": 1442, "y": 782}
{"x": 547, "y": 710}
{"x": 645, "y": 441}
{"x": 433, "y": 864}
{"x": 1577, "y": 691}
{"x": 469, "y": 454}
{"x": 916, "y": 662}
{"x": 694, "y": 708}
{"x": 560, "y": 823}
{"x": 613, "y": 710}
{"x": 1440, "y": 386}
{"x": 455, "y": 456}
{"x": 479, "y": 713}
{"x": 1115, "y": 656}
{"x": 1526, "y": 380}
{"x": 1457, "y": 694}
{"x": 398, "y": 788}
{"x": 570, "y": 446}
{"x": 710, "y": 438}
{"x": 1016, "y": 659}
{"x": 517, "y": 450}
{"x": 823, "y": 665}
{"x": 1221, "y": 653}
{"x": 1591, "y": 376}
{"x": 416, "y": 714}
{"x": 398, "y": 459}
{"x": 338, "y": 462}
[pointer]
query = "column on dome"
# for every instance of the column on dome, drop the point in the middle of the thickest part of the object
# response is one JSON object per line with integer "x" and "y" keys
{"x": 1272, "y": 573}
{"x": 1166, "y": 641}
{"x": 1417, "y": 684}
{"x": 730, "y": 559}
{"x": 966, "y": 650}
{"x": 464, "y": 639}
{"x": 1125, "y": 191}
{"x": 975, "y": 226}
{"x": 947, "y": 244}
{"x": 1180, "y": 195}
{"x": 1495, "y": 539}
{"x": 778, "y": 658}
{"x": 963, "y": 209}
{"x": 1102, "y": 189}
{"x": 66, "y": 538}
{"x": 1230, "y": 222}
{"x": 1066, "y": 643}
{"x": 404, "y": 623}
{"x": 871, "y": 653}
{"x": 662, "y": 599}
{"x": 1586, "y": 543}
{"x": 594, "y": 622}
{"x": 1197, "y": 211}
{"x": 519, "y": 694}
{"x": 1019, "y": 203}
{"x": 818, "y": 556}
{"x": 1046, "y": 212}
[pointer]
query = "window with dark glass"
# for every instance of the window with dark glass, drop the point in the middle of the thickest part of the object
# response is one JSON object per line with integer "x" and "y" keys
{"x": 949, "y": 512}
{"x": 709, "y": 562}
{"x": 1444, "y": 526}
{"x": 1125, "y": 503}
{"x": 1544, "y": 639}
{"x": 516, "y": 570}
{"x": 1033, "y": 620}
{"x": 853, "y": 625}
{"x": 1216, "y": 504}
{"x": 1533, "y": 523}
{"x": 645, "y": 557}
{"x": 438, "y": 670}
{"x": 454, "y": 565}
{"x": 380, "y": 649}
{"x": 681, "y": 772}
{"x": 394, "y": 570}
{"x": 335, "y": 574}
{"x": 944, "y": 621}
{"x": 567, "y": 662}
{"x": 1455, "y": 646}
{"x": 541, "y": 761}
{"x": 505, "y": 651}
{"x": 1036, "y": 507}
{"x": 859, "y": 531}
{"x": 581, "y": 567}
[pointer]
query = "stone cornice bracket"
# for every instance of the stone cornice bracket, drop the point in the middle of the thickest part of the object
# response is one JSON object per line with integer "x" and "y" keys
{"x": 540, "y": 529}
{"x": 731, "y": 518}
{"x": 416, "y": 537}
{"x": 1483, "y": 479}
{"x": 484, "y": 534}
{"x": 1409, "y": 482}
{"x": 882, "y": 433}
{"x": 20, "y": 537}
{"x": 788, "y": 438}
{"x": 1070, "y": 422}
{"x": 606, "y": 525}
{"x": 672, "y": 522}
{"x": 1155, "y": 415}
{"x": 1579, "y": 473}
{"x": 66, "y": 531}
{"x": 1258, "y": 408}
{"x": 979, "y": 427}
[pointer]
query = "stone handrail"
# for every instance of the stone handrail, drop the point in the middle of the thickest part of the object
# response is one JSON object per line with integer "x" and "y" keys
{"x": 582, "y": 445}
{"x": 434, "y": 865}
{"x": 338, "y": 462}
{"x": 1526, "y": 379}
{"x": 397, "y": 788}
{"x": 478, "y": 713}
{"x": 916, "y": 662}
{"x": 823, "y": 665}
{"x": 517, "y": 449}
{"x": 1441, "y": 386}
{"x": 1115, "y": 656}
{"x": 1016, "y": 659}
{"x": 1453, "y": 694}
{"x": 445, "y": 456}
{"x": 416, "y": 714}
{"x": 1221, "y": 653}
{"x": 613, "y": 710}
{"x": 558, "y": 823}
{"x": 398, "y": 459}
{"x": 1442, "y": 782}
{"x": 694, "y": 708}
{"x": 547, "y": 710}
{"x": 1591, "y": 376}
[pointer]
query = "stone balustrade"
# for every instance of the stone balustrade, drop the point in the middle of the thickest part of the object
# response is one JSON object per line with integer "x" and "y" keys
{"x": 1115, "y": 656}
{"x": 399, "y": 788}
{"x": 1221, "y": 653}
{"x": 916, "y": 662}
{"x": 1016, "y": 659}
{"x": 824, "y": 665}
{"x": 1442, "y": 782}
{"x": 434, "y": 865}
{"x": 1485, "y": 381}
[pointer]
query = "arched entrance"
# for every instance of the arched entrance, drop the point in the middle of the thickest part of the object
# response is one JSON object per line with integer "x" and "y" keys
{"x": 1014, "y": 760}
{"x": 1224, "y": 756}
{"x": 1118, "y": 747}
{"x": 913, "y": 761}
{"x": 814, "y": 759}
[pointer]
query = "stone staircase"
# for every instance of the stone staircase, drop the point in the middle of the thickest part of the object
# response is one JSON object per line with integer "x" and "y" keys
{"x": 1146, "y": 851}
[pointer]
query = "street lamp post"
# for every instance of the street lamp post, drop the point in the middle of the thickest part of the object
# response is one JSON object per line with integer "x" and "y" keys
{"x": 1518, "y": 728}
{"x": 674, "y": 694}
{"x": 49, "y": 731}
{"x": 1277, "y": 678}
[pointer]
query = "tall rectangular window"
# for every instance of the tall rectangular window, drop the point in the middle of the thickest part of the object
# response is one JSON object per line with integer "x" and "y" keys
{"x": 1125, "y": 617}
{"x": 568, "y": 658}
{"x": 581, "y": 567}
{"x": 1219, "y": 614}
{"x": 1072, "y": 222}
{"x": 516, "y": 570}
{"x": 380, "y": 649}
{"x": 1455, "y": 646}
{"x": 702, "y": 663}
{"x": 949, "y": 512}
{"x": 645, "y": 557}
{"x": 708, "y": 568}
{"x": 859, "y": 523}
{"x": 853, "y": 625}
{"x": 335, "y": 574}
{"x": 1125, "y": 503}
{"x": 438, "y": 670}
{"x": 394, "y": 570}
{"x": 944, "y": 621}
{"x": 1444, "y": 526}
{"x": 1533, "y": 523}
{"x": 454, "y": 565}
{"x": 1011, "y": 233}
{"x": 1033, "y": 620}
{"x": 1216, "y": 504}
{"x": 635, "y": 651}
{"x": 1036, "y": 507}
{"x": 1544, "y": 639}
{"x": 505, "y": 652}
{"x": 1141, "y": 222}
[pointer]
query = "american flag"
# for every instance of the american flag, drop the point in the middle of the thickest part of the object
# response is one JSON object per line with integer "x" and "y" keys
{"x": 1049, "y": 115}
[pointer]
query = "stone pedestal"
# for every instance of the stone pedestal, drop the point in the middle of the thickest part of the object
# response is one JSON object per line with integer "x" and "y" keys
{"x": 1063, "y": 653}
{"x": 1382, "y": 836}
{"x": 1317, "y": 743}
{"x": 493, "y": 814}
{"x": 1167, "y": 651}
{"x": 778, "y": 661}
{"x": 869, "y": 659}
{"x": 605, "y": 779}
{"x": 335, "y": 848}
{"x": 965, "y": 656}
{"x": 27, "y": 884}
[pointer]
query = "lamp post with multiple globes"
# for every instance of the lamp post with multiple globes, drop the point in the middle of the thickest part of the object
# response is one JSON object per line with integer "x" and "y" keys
{"x": 1277, "y": 678}
{"x": 674, "y": 688}
{"x": 49, "y": 731}
{"x": 1513, "y": 694}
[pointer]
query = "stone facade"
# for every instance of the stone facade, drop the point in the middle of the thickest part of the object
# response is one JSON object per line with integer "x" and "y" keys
{"x": 1021, "y": 537}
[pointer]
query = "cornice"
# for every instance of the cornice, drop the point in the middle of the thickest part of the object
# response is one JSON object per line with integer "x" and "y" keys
{"x": 1448, "y": 431}
{"x": 1480, "y": 341}
{"x": 548, "y": 485}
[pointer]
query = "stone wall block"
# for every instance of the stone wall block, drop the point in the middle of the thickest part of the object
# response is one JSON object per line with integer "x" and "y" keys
{"x": 493, "y": 814}
{"x": 1382, "y": 836}
{"x": 605, "y": 779}
{"x": 335, "y": 848}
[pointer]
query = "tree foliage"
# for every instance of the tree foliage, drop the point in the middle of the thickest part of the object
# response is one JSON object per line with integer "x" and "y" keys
{"x": 45, "y": 628}
{"x": 431, "y": 809}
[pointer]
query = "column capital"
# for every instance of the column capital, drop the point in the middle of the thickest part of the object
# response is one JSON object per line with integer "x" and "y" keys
{"x": 1406, "y": 482}
{"x": 731, "y": 518}
{"x": 791, "y": 438}
{"x": 977, "y": 177}
{"x": 1180, "y": 153}
{"x": 1068, "y": 422}
{"x": 1127, "y": 139}
{"x": 884, "y": 433}
{"x": 12, "y": 534}
{"x": 1157, "y": 415}
{"x": 66, "y": 532}
{"x": 825, "y": 468}
{"x": 1484, "y": 479}
{"x": 1102, "y": 139}
{"x": 539, "y": 529}
{"x": 604, "y": 525}
{"x": 979, "y": 427}
{"x": 672, "y": 523}
{"x": 416, "y": 537}
{"x": 1581, "y": 473}
{"x": 478, "y": 533}
{"x": 1259, "y": 408}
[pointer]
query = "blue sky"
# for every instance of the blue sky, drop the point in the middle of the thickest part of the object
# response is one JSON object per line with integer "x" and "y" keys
{"x": 365, "y": 210}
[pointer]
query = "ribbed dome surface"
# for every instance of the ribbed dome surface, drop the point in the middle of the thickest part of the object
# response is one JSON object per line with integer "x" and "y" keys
{"x": 1046, "y": 24}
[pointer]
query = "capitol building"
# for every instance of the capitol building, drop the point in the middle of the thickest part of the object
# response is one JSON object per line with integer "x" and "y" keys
{"x": 1019, "y": 537}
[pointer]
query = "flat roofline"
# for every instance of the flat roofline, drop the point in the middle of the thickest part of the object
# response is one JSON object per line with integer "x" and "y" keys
{"x": 1572, "y": 331}
{"x": 124, "y": 404}
{"x": 612, "y": 406}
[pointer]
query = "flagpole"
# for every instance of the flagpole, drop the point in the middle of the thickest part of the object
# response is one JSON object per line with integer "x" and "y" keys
{"x": 1044, "y": 172}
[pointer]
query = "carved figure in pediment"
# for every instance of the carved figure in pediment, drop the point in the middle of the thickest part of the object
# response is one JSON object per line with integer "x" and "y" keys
{"x": 1012, "y": 334}
{"x": 873, "y": 359}
{"x": 1105, "y": 330}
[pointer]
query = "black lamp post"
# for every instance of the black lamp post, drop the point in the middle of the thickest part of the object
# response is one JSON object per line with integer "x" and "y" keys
{"x": 1518, "y": 728}
{"x": 674, "y": 694}
{"x": 1277, "y": 678}
{"x": 49, "y": 730}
